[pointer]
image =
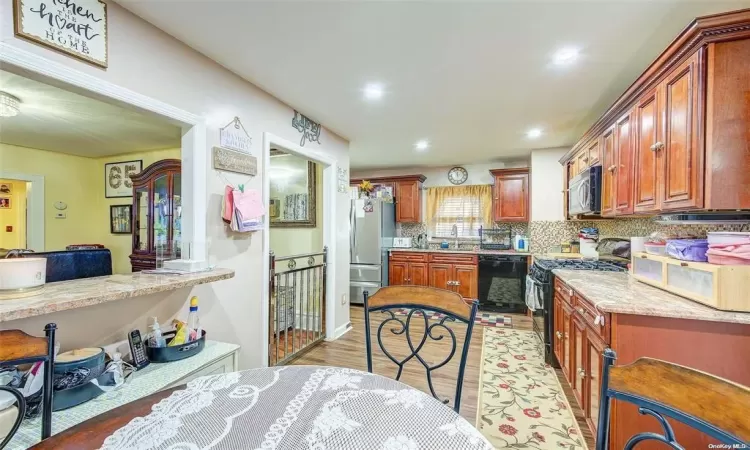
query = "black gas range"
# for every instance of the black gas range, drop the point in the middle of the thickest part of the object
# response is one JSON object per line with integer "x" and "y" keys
{"x": 542, "y": 280}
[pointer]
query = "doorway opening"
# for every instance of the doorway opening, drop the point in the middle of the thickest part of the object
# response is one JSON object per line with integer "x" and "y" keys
{"x": 300, "y": 189}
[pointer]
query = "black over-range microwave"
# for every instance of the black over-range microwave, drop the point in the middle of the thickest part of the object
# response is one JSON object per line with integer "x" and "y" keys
{"x": 585, "y": 192}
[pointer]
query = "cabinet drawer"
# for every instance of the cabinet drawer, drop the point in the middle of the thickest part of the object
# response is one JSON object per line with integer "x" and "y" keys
{"x": 453, "y": 258}
{"x": 409, "y": 256}
{"x": 565, "y": 292}
{"x": 588, "y": 313}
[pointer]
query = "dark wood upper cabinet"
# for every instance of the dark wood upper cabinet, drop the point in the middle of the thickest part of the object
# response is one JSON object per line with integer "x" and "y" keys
{"x": 594, "y": 153}
{"x": 686, "y": 122}
{"x": 623, "y": 172}
{"x": 682, "y": 141}
{"x": 646, "y": 192}
{"x": 407, "y": 194}
{"x": 608, "y": 172}
{"x": 510, "y": 202}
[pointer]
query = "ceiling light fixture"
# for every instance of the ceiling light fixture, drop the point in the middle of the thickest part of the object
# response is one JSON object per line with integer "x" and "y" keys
{"x": 534, "y": 133}
{"x": 374, "y": 91}
{"x": 565, "y": 56}
{"x": 9, "y": 105}
{"x": 422, "y": 145}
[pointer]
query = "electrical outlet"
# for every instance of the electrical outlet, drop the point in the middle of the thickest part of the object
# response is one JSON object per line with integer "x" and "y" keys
{"x": 343, "y": 299}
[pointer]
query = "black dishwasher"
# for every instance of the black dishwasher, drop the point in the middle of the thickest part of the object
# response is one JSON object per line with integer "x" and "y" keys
{"x": 502, "y": 283}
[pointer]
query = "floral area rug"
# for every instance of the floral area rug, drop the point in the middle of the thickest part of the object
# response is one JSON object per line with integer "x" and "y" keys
{"x": 521, "y": 403}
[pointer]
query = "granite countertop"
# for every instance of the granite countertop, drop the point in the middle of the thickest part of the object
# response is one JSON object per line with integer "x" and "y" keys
{"x": 453, "y": 250}
{"x": 619, "y": 293}
{"x": 153, "y": 378}
{"x": 84, "y": 292}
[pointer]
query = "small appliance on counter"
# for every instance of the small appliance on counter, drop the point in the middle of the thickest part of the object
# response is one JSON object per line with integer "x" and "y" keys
{"x": 495, "y": 238}
{"x": 402, "y": 242}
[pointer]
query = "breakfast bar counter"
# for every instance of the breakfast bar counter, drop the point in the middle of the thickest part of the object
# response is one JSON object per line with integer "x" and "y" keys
{"x": 80, "y": 293}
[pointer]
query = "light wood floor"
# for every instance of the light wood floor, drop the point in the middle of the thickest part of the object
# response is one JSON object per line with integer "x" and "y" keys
{"x": 349, "y": 351}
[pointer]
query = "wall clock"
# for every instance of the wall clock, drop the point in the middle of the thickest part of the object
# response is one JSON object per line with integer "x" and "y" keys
{"x": 458, "y": 175}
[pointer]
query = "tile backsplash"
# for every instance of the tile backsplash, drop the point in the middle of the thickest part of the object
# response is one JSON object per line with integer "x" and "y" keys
{"x": 544, "y": 236}
{"x": 547, "y": 234}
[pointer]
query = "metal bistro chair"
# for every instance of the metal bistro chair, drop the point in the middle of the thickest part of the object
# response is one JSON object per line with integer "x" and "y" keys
{"x": 17, "y": 347}
{"x": 711, "y": 405}
{"x": 418, "y": 301}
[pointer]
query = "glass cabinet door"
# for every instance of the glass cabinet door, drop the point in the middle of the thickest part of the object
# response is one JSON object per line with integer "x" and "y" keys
{"x": 141, "y": 220}
{"x": 162, "y": 214}
{"x": 177, "y": 214}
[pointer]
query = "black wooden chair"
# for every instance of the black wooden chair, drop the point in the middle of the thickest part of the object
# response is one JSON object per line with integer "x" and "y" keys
{"x": 17, "y": 347}
{"x": 417, "y": 303}
{"x": 709, "y": 404}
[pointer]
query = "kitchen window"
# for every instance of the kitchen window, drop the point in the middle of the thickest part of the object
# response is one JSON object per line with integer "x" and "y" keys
{"x": 466, "y": 207}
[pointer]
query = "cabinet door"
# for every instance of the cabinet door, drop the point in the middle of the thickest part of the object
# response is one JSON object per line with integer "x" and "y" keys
{"x": 440, "y": 275}
{"x": 408, "y": 204}
{"x": 647, "y": 162}
{"x": 582, "y": 161}
{"x": 566, "y": 347}
{"x": 557, "y": 345}
{"x": 418, "y": 274}
{"x": 624, "y": 165}
{"x": 511, "y": 198}
{"x": 467, "y": 278}
{"x": 578, "y": 368}
{"x": 683, "y": 159}
{"x": 593, "y": 150}
{"x": 608, "y": 172}
{"x": 593, "y": 378}
{"x": 398, "y": 273}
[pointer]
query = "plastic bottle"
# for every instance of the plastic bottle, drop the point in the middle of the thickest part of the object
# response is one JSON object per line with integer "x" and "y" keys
{"x": 193, "y": 323}
{"x": 156, "y": 339}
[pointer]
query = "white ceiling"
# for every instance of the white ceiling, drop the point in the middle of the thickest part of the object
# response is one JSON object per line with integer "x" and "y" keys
{"x": 469, "y": 77}
{"x": 61, "y": 121}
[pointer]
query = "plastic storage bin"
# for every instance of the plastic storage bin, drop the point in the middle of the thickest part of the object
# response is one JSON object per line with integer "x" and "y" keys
{"x": 728, "y": 238}
{"x": 178, "y": 352}
{"x": 656, "y": 249}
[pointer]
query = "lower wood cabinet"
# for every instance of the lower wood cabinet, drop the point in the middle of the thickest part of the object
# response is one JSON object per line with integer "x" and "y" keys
{"x": 453, "y": 272}
{"x": 577, "y": 369}
{"x": 593, "y": 373}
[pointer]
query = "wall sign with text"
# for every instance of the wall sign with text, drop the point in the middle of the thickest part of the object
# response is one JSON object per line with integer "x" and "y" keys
{"x": 75, "y": 27}
{"x": 117, "y": 182}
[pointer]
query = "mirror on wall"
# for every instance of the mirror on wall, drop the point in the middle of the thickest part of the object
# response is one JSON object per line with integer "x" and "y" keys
{"x": 293, "y": 187}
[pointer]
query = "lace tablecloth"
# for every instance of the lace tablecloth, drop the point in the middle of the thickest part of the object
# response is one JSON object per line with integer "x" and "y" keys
{"x": 298, "y": 407}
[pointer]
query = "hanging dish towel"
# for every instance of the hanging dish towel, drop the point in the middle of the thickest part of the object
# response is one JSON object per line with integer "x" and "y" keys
{"x": 227, "y": 205}
{"x": 532, "y": 294}
{"x": 248, "y": 210}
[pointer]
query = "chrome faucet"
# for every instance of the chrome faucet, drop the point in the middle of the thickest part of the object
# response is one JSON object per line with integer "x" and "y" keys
{"x": 454, "y": 233}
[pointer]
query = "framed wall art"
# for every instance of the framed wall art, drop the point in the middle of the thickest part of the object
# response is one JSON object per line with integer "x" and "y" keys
{"x": 76, "y": 28}
{"x": 121, "y": 219}
{"x": 117, "y": 182}
{"x": 5, "y": 203}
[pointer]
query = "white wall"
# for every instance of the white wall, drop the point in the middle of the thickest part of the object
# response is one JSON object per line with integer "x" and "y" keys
{"x": 146, "y": 60}
{"x": 547, "y": 184}
{"x": 438, "y": 176}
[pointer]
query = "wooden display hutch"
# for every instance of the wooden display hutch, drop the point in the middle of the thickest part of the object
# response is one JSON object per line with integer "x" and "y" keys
{"x": 157, "y": 214}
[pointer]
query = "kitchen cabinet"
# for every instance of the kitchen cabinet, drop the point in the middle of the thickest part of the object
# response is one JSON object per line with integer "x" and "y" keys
{"x": 557, "y": 346}
{"x": 510, "y": 201}
{"x": 679, "y": 141}
{"x": 418, "y": 275}
{"x": 407, "y": 269}
{"x": 398, "y": 273}
{"x": 441, "y": 276}
{"x": 647, "y": 167}
{"x": 565, "y": 363}
{"x": 457, "y": 272}
{"x": 623, "y": 170}
{"x": 594, "y": 347}
{"x": 577, "y": 369}
{"x": 467, "y": 280}
{"x": 594, "y": 153}
{"x": 407, "y": 194}
{"x": 678, "y": 147}
{"x": 582, "y": 161}
{"x": 608, "y": 175}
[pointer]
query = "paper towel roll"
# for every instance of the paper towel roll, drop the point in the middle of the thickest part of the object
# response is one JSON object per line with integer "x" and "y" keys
{"x": 637, "y": 244}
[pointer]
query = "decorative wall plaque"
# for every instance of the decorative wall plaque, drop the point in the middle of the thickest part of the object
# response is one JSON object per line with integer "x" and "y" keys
{"x": 117, "y": 178}
{"x": 234, "y": 161}
{"x": 235, "y": 137}
{"x": 310, "y": 130}
{"x": 75, "y": 27}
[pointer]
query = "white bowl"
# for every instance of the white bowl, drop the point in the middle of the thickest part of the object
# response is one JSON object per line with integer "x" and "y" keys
{"x": 20, "y": 274}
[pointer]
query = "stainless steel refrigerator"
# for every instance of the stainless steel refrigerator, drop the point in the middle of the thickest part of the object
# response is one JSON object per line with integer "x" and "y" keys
{"x": 371, "y": 233}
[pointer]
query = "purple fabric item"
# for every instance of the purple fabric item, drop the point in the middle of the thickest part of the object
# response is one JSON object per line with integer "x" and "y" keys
{"x": 688, "y": 249}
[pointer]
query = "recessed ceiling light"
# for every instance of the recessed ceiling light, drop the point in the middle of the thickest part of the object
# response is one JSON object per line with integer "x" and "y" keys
{"x": 565, "y": 56}
{"x": 373, "y": 91}
{"x": 422, "y": 145}
{"x": 534, "y": 133}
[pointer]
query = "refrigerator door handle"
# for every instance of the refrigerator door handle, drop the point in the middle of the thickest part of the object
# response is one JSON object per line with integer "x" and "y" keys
{"x": 354, "y": 234}
{"x": 351, "y": 231}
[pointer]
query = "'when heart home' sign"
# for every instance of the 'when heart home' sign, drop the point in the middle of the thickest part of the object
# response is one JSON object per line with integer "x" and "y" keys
{"x": 75, "y": 27}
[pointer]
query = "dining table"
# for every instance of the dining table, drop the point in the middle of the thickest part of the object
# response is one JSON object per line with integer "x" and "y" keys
{"x": 286, "y": 407}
